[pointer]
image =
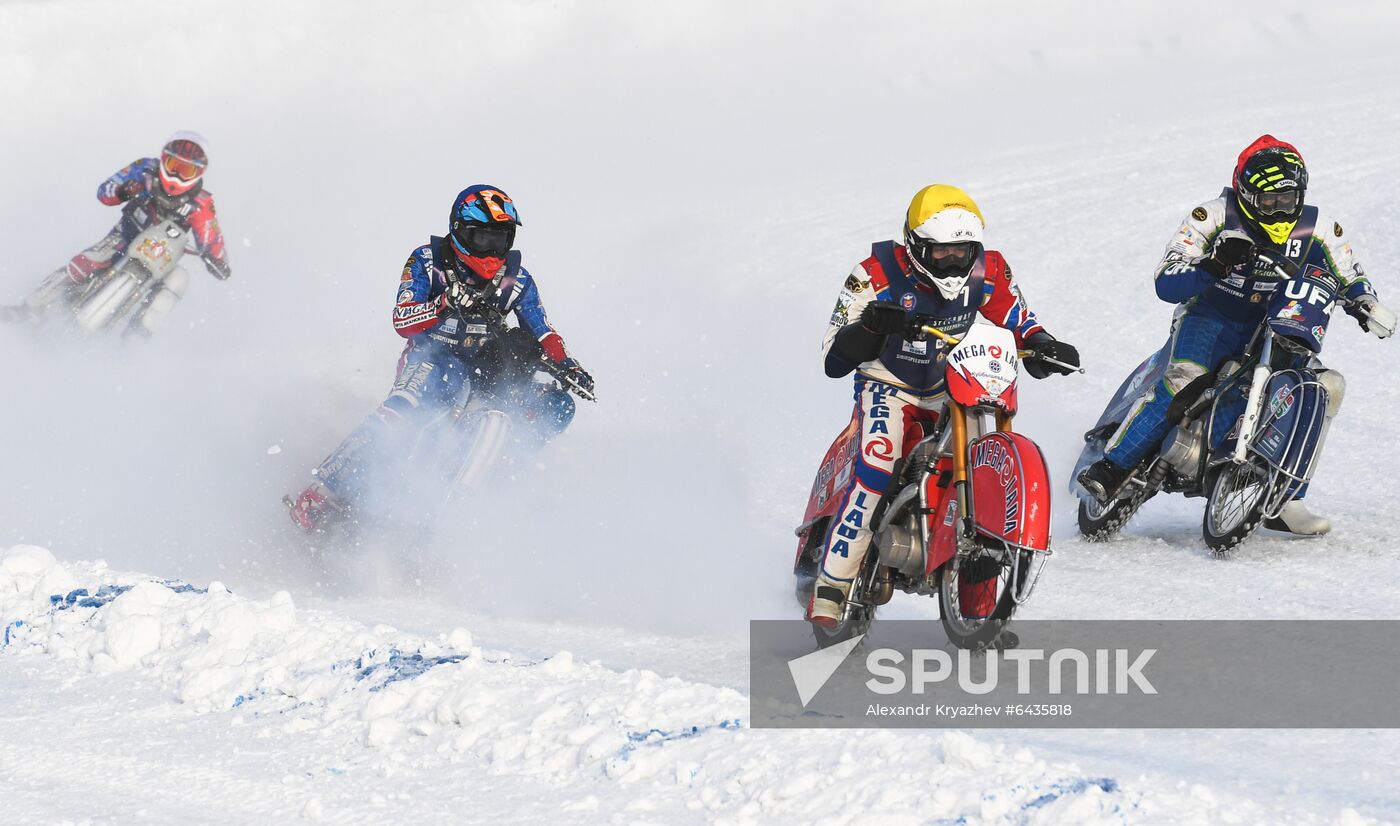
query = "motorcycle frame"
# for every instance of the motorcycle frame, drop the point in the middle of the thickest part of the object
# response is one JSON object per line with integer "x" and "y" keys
{"x": 1258, "y": 366}
{"x": 145, "y": 281}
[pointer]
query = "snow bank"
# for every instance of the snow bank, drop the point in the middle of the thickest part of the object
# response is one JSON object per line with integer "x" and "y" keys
{"x": 679, "y": 746}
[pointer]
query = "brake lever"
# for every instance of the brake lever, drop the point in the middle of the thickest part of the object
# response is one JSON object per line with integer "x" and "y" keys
{"x": 1047, "y": 360}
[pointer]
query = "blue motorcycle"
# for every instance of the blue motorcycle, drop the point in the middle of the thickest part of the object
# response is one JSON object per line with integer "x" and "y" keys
{"x": 1245, "y": 435}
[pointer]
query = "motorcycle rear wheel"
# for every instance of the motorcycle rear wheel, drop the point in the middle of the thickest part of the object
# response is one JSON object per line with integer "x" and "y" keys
{"x": 1100, "y": 523}
{"x": 860, "y": 617}
{"x": 858, "y": 625}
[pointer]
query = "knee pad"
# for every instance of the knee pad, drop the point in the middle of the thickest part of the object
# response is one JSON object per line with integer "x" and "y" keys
{"x": 94, "y": 259}
{"x": 409, "y": 387}
{"x": 1336, "y": 385}
{"x": 1181, "y": 373}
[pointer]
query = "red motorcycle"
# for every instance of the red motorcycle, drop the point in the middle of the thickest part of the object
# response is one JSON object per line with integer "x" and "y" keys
{"x": 966, "y": 516}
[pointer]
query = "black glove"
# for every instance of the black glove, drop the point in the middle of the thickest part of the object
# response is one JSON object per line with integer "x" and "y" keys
{"x": 458, "y": 297}
{"x": 884, "y": 318}
{"x": 1044, "y": 346}
{"x": 217, "y": 267}
{"x": 578, "y": 374}
{"x": 1231, "y": 249}
{"x": 130, "y": 190}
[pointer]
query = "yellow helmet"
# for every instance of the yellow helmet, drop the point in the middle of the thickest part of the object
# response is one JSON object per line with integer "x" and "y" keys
{"x": 943, "y": 236}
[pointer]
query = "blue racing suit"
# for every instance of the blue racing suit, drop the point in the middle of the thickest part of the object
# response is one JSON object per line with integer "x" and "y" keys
{"x": 1216, "y": 317}
{"x": 447, "y": 349}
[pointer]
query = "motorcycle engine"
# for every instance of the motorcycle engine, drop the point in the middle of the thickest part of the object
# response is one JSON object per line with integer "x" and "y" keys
{"x": 1183, "y": 448}
{"x": 898, "y": 544}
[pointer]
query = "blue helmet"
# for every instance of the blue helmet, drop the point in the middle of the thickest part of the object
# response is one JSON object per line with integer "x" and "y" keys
{"x": 483, "y": 222}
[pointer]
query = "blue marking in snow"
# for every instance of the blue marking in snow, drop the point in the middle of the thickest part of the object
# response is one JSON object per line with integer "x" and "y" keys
{"x": 1079, "y": 786}
{"x": 12, "y": 632}
{"x": 82, "y": 598}
{"x": 390, "y": 666}
{"x": 659, "y": 737}
{"x": 378, "y": 667}
{"x": 1054, "y": 792}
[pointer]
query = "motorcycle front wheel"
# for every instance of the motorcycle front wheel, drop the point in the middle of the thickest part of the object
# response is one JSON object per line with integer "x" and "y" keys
{"x": 975, "y": 600}
{"x": 1235, "y": 498}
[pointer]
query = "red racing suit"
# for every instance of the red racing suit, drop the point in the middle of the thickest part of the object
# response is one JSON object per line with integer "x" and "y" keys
{"x": 143, "y": 207}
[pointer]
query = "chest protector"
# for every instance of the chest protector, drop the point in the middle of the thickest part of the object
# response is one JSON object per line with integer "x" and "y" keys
{"x": 484, "y": 322}
{"x": 141, "y": 213}
{"x": 919, "y": 364}
{"x": 1244, "y": 295}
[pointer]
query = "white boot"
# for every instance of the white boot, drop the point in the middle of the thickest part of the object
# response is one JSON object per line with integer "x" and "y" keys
{"x": 1295, "y": 518}
{"x": 828, "y": 603}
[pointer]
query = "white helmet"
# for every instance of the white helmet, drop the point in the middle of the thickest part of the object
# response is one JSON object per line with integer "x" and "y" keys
{"x": 943, "y": 236}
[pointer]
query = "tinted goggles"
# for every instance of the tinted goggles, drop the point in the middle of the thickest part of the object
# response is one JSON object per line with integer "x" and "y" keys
{"x": 1278, "y": 202}
{"x": 182, "y": 169}
{"x": 489, "y": 240}
{"x": 945, "y": 256}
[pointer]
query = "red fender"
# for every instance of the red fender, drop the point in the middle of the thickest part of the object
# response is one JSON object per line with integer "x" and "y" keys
{"x": 1010, "y": 490}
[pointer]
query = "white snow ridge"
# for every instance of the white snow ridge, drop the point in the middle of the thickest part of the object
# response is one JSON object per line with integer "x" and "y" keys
{"x": 477, "y": 725}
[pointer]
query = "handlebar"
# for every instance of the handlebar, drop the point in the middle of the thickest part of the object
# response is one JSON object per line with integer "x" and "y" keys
{"x": 952, "y": 340}
{"x": 567, "y": 379}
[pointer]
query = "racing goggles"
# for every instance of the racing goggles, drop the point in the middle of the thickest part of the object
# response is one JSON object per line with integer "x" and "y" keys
{"x": 485, "y": 240}
{"x": 953, "y": 257}
{"x": 1277, "y": 202}
{"x": 181, "y": 169}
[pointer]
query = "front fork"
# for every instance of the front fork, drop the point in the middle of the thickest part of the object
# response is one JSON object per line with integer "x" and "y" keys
{"x": 961, "y": 439}
{"x": 1254, "y": 406}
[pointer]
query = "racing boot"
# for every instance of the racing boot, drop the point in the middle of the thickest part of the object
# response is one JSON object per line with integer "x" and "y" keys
{"x": 1103, "y": 479}
{"x": 1295, "y": 518}
{"x": 828, "y": 602}
{"x": 312, "y": 508}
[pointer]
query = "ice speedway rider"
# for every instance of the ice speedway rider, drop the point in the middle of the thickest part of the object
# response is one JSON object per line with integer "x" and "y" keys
{"x": 148, "y": 190}
{"x": 453, "y": 297}
{"x": 1208, "y": 272}
{"x": 941, "y": 276}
